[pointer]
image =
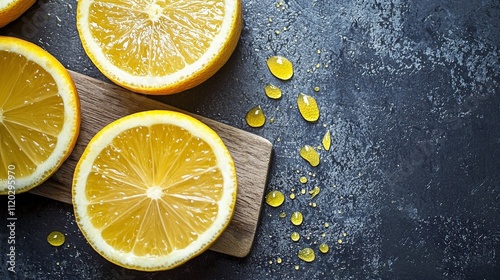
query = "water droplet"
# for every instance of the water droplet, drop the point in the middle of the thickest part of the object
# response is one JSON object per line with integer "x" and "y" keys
{"x": 308, "y": 107}
{"x": 280, "y": 67}
{"x": 272, "y": 91}
{"x": 275, "y": 198}
{"x": 56, "y": 238}
{"x": 314, "y": 192}
{"x": 327, "y": 140}
{"x": 306, "y": 254}
{"x": 323, "y": 248}
{"x": 310, "y": 155}
{"x": 297, "y": 218}
{"x": 255, "y": 117}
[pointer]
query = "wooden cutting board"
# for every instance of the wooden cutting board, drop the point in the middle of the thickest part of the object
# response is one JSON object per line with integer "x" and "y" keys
{"x": 101, "y": 103}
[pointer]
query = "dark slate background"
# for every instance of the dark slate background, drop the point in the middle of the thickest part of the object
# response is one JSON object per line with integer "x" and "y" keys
{"x": 409, "y": 90}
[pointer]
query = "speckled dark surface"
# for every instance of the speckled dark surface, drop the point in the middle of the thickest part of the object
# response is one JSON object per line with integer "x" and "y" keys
{"x": 409, "y": 90}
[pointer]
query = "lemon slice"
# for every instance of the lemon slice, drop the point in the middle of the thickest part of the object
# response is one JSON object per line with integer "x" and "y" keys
{"x": 158, "y": 46}
{"x": 12, "y": 9}
{"x": 154, "y": 189}
{"x": 39, "y": 115}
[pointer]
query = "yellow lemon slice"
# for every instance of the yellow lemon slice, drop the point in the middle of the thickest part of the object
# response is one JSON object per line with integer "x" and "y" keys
{"x": 154, "y": 189}
{"x": 12, "y": 9}
{"x": 158, "y": 46}
{"x": 39, "y": 115}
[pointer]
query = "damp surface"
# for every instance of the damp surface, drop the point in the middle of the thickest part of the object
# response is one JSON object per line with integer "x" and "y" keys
{"x": 409, "y": 91}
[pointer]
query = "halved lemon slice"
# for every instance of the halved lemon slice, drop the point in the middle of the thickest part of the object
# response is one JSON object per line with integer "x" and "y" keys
{"x": 12, "y": 9}
{"x": 158, "y": 46}
{"x": 39, "y": 115}
{"x": 154, "y": 189}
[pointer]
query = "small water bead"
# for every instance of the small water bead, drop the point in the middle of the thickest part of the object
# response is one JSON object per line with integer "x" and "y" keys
{"x": 292, "y": 196}
{"x": 272, "y": 91}
{"x": 303, "y": 179}
{"x": 297, "y": 218}
{"x": 327, "y": 140}
{"x": 279, "y": 260}
{"x": 308, "y": 107}
{"x": 295, "y": 236}
{"x": 282, "y": 215}
{"x": 323, "y": 248}
{"x": 56, "y": 238}
{"x": 280, "y": 67}
{"x": 310, "y": 155}
{"x": 307, "y": 255}
{"x": 255, "y": 117}
{"x": 275, "y": 198}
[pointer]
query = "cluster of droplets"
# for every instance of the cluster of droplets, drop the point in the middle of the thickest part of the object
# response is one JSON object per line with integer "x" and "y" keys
{"x": 282, "y": 69}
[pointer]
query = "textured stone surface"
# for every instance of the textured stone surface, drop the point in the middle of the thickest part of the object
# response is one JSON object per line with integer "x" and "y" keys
{"x": 410, "y": 92}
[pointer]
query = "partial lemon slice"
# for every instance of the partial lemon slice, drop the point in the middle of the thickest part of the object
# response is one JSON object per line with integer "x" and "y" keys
{"x": 158, "y": 46}
{"x": 39, "y": 115}
{"x": 154, "y": 189}
{"x": 12, "y": 9}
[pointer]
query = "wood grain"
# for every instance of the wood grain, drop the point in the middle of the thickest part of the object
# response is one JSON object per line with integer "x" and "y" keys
{"x": 102, "y": 103}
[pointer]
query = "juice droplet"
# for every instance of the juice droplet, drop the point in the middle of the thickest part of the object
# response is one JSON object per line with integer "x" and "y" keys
{"x": 295, "y": 236}
{"x": 306, "y": 254}
{"x": 314, "y": 192}
{"x": 275, "y": 198}
{"x": 327, "y": 225}
{"x": 279, "y": 260}
{"x": 272, "y": 91}
{"x": 56, "y": 238}
{"x": 327, "y": 140}
{"x": 296, "y": 218}
{"x": 280, "y": 67}
{"x": 339, "y": 241}
{"x": 282, "y": 215}
{"x": 303, "y": 179}
{"x": 323, "y": 248}
{"x": 292, "y": 196}
{"x": 255, "y": 117}
{"x": 316, "y": 89}
{"x": 308, "y": 107}
{"x": 297, "y": 267}
{"x": 310, "y": 155}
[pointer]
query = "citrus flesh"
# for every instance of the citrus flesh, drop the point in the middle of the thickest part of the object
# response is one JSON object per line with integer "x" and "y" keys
{"x": 154, "y": 189}
{"x": 39, "y": 115}
{"x": 159, "y": 47}
{"x": 12, "y": 9}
